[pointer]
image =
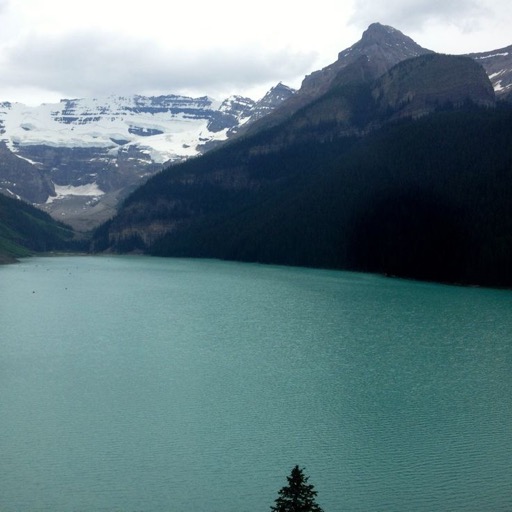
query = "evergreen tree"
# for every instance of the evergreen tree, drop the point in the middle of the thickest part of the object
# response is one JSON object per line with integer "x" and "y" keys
{"x": 298, "y": 495}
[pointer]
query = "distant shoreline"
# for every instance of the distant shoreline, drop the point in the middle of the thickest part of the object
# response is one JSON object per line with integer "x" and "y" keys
{"x": 7, "y": 260}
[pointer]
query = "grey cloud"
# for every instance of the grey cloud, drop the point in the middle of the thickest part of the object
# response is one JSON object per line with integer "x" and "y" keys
{"x": 85, "y": 64}
{"x": 415, "y": 14}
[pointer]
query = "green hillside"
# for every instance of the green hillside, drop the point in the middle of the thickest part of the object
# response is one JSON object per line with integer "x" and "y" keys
{"x": 25, "y": 230}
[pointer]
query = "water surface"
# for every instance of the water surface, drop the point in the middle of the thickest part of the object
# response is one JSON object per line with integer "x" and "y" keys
{"x": 145, "y": 384}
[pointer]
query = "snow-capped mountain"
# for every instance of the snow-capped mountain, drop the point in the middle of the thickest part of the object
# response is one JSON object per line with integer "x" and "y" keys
{"x": 91, "y": 148}
{"x": 167, "y": 128}
{"x": 498, "y": 66}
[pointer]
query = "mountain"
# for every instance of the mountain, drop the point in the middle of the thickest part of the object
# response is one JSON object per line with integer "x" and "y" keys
{"x": 425, "y": 199}
{"x": 356, "y": 103}
{"x": 498, "y": 66}
{"x": 374, "y": 172}
{"x": 380, "y": 48}
{"x": 79, "y": 157}
{"x": 18, "y": 178}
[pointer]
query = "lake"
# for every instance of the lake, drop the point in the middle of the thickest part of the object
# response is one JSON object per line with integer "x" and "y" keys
{"x": 150, "y": 385}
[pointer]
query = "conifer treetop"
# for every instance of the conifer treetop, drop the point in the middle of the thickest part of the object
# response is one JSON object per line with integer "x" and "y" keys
{"x": 298, "y": 495}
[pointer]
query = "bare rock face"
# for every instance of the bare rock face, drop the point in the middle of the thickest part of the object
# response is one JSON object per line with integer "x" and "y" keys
{"x": 19, "y": 178}
{"x": 274, "y": 97}
{"x": 416, "y": 87}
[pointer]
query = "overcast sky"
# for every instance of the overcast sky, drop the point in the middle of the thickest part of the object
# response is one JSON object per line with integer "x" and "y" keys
{"x": 52, "y": 49}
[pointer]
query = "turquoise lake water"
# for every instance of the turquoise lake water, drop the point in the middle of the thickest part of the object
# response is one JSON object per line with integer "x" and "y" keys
{"x": 150, "y": 385}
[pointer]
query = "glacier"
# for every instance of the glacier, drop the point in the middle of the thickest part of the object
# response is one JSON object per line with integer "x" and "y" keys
{"x": 60, "y": 155}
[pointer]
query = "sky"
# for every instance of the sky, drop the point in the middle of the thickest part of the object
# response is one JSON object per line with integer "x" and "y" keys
{"x": 53, "y": 49}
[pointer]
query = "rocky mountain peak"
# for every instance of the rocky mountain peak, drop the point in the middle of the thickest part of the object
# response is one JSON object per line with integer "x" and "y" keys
{"x": 376, "y": 32}
{"x": 380, "y": 48}
{"x": 279, "y": 91}
{"x": 383, "y": 44}
{"x": 273, "y": 98}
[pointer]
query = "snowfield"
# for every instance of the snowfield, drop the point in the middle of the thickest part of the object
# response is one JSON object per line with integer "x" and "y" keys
{"x": 167, "y": 127}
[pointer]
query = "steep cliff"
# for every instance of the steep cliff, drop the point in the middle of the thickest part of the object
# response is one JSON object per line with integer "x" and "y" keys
{"x": 416, "y": 87}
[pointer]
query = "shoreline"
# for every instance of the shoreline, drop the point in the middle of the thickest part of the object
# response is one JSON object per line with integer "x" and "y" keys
{"x": 7, "y": 260}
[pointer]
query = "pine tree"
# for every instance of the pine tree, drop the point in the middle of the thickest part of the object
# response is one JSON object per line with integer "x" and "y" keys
{"x": 298, "y": 495}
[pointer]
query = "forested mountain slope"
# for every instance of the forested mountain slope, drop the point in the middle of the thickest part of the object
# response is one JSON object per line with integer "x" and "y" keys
{"x": 25, "y": 230}
{"x": 426, "y": 198}
{"x": 406, "y": 174}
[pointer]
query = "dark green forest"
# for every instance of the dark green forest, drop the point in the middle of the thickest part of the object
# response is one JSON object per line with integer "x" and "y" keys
{"x": 426, "y": 199}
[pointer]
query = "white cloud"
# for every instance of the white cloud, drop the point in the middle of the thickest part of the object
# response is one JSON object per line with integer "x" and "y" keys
{"x": 95, "y": 63}
{"x": 416, "y": 14}
{"x": 450, "y": 26}
{"x": 49, "y": 50}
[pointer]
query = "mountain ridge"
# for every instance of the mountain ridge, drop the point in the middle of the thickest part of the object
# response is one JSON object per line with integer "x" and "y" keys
{"x": 213, "y": 206}
{"x": 382, "y": 47}
{"x": 112, "y": 144}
